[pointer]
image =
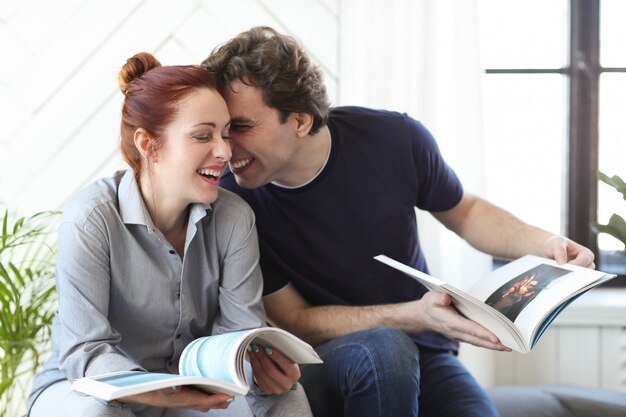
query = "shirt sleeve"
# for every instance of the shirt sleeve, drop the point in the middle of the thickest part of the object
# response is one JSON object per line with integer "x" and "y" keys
{"x": 439, "y": 187}
{"x": 87, "y": 342}
{"x": 241, "y": 283}
{"x": 241, "y": 288}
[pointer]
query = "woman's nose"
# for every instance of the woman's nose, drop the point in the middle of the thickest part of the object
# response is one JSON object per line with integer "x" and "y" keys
{"x": 223, "y": 150}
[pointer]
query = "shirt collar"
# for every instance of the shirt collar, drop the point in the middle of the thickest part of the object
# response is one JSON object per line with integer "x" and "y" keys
{"x": 133, "y": 209}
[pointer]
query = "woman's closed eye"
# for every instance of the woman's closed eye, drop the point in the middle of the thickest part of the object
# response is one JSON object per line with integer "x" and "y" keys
{"x": 201, "y": 138}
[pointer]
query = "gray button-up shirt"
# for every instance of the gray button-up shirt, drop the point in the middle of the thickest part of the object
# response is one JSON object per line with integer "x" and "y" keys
{"x": 127, "y": 301}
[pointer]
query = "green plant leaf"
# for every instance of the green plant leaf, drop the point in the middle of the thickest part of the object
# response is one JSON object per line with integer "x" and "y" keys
{"x": 4, "y": 236}
{"x": 19, "y": 277}
{"x": 7, "y": 280}
{"x": 615, "y": 182}
{"x": 616, "y": 227}
{"x": 27, "y": 297}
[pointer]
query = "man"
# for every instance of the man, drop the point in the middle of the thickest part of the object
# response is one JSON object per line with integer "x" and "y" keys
{"x": 331, "y": 188}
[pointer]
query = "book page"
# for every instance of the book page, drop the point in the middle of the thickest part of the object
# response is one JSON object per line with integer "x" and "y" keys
{"x": 123, "y": 384}
{"x": 468, "y": 305}
{"x": 217, "y": 357}
{"x": 215, "y": 364}
{"x": 222, "y": 356}
{"x": 517, "y": 301}
{"x": 529, "y": 289}
{"x": 514, "y": 295}
{"x": 531, "y": 319}
{"x": 477, "y": 311}
{"x": 126, "y": 379}
{"x": 289, "y": 345}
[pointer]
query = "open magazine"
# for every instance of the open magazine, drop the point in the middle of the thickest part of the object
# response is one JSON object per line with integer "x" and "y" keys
{"x": 518, "y": 301}
{"x": 215, "y": 364}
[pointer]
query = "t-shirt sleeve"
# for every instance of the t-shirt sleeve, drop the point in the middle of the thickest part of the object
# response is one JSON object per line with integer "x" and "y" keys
{"x": 439, "y": 188}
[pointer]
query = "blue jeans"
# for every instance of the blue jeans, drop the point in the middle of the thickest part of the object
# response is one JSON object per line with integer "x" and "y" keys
{"x": 381, "y": 372}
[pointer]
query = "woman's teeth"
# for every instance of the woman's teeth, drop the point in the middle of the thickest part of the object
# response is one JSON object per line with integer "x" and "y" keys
{"x": 211, "y": 173}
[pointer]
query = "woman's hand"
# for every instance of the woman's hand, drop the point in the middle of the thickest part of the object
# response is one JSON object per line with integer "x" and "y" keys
{"x": 181, "y": 397}
{"x": 273, "y": 372}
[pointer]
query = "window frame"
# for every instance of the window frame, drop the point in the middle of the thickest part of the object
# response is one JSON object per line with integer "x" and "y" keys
{"x": 583, "y": 71}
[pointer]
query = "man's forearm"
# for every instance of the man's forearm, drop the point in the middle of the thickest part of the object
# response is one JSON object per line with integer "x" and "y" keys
{"x": 433, "y": 312}
{"x": 317, "y": 325}
{"x": 505, "y": 236}
{"x": 494, "y": 230}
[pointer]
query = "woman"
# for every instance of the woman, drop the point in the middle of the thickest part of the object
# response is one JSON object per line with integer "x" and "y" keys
{"x": 151, "y": 259}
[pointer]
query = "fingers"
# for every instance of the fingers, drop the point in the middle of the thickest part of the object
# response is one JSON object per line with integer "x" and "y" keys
{"x": 446, "y": 320}
{"x": 438, "y": 298}
{"x": 584, "y": 257}
{"x": 469, "y": 332}
{"x": 273, "y": 372}
{"x": 184, "y": 397}
{"x": 564, "y": 250}
{"x": 557, "y": 248}
{"x": 181, "y": 397}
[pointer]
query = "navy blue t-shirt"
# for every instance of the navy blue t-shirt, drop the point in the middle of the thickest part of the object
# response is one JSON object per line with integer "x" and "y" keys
{"x": 322, "y": 237}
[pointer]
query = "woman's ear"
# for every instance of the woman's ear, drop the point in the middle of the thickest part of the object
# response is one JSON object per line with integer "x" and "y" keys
{"x": 145, "y": 144}
{"x": 304, "y": 121}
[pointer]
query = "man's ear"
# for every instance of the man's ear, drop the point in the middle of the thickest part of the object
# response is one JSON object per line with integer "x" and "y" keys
{"x": 145, "y": 144}
{"x": 304, "y": 121}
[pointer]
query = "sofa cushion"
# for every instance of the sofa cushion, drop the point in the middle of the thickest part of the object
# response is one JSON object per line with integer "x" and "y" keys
{"x": 557, "y": 401}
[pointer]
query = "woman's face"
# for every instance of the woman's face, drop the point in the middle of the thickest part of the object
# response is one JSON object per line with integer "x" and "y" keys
{"x": 195, "y": 150}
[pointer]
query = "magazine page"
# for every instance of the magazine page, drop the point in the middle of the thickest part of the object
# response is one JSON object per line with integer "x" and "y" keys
{"x": 216, "y": 357}
{"x": 222, "y": 356}
{"x": 489, "y": 318}
{"x": 123, "y": 384}
{"x": 529, "y": 289}
{"x": 289, "y": 345}
{"x": 426, "y": 280}
{"x": 468, "y": 305}
{"x": 215, "y": 364}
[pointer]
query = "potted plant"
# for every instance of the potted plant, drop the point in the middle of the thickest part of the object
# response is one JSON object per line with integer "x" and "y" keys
{"x": 27, "y": 304}
{"x": 615, "y": 227}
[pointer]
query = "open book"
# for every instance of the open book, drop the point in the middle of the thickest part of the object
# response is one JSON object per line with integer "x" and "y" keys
{"x": 518, "y": 301}
{"x": 215, "y": 364}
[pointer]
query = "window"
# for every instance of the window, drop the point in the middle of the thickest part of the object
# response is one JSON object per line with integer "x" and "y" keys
{"x": 611, "y": 127}
{"x": 554, "y": 104}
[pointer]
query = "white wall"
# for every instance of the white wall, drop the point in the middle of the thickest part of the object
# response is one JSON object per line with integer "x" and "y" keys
{"x": 59, "y": 101}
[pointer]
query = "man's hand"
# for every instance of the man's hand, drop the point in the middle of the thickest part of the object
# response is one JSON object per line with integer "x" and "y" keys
{"x": 564, "y": 250}
{"x": 273, "y": 372}
{"x": 181, "y": 397}
{"x": 443, "y": 318}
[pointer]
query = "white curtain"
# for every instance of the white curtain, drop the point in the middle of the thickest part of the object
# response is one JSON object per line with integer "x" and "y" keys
{"x": 422, "y": 57}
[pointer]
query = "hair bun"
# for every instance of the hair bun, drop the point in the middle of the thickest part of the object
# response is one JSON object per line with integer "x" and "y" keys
{"x": 134, "y": 68}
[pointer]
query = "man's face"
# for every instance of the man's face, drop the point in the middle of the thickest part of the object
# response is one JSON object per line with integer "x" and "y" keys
{"x": 262, "y": 146}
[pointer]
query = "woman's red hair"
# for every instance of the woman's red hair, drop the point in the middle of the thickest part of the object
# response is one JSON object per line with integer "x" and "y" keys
{"x": 152, "y": 96}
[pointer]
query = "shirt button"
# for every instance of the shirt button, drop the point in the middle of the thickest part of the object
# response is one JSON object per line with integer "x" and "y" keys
{"x": 172, "y": 251}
